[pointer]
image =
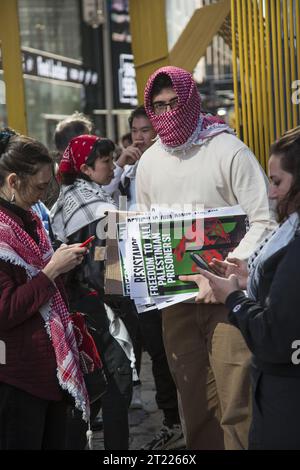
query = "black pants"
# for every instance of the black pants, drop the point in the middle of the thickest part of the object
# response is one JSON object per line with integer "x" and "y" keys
{"x": 30, "y": 423}
{"x": 146, "y": 333}
{"x": 150, "y": 324}
{"x": 115, "y": 421}
{"x": 116, "y": 400}
{"x": 276, "y": 412}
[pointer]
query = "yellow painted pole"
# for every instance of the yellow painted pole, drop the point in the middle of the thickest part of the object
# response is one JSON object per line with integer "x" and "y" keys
{"x": 280, "y": 67}
{"x": 247, "y": 76}
{"x": 287, "y": 66}
{"x": 253, "y": 81}
{"x": 12, "y": 65}
{"x": 293, "y": 60}
{"x": 264, "y": 81}
{"x": 235, "y": 68}
{"x": 258, "y": 67}
{"x": 297, "y": 16}
{"x": 149, "y": 39}
{"x": 277, "y": 84}
{"x": 269, "y": 70}
{"x": 242, "y": 72}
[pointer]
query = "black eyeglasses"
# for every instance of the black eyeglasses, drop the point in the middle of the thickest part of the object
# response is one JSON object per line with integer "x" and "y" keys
{"x": 161, "y": 107}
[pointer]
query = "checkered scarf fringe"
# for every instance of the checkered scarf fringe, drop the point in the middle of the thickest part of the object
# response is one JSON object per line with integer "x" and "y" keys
{"x": 18, "y": 248}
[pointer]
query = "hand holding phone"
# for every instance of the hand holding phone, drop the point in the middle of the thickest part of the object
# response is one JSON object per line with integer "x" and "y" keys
{"x": 89, "y": 240}
{"x": 201, "y": 263}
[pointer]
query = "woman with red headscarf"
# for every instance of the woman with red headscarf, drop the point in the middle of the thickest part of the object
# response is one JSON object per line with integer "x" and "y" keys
{"x": 87, "y": 165}
{"x": 198, "y": 161}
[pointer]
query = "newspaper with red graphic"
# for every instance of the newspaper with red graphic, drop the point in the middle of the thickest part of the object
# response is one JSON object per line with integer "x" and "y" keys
{"x": 155, "y": 249}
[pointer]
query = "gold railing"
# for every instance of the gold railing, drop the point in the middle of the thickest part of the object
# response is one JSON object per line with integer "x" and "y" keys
{"x": 266, "y": 67}
{"x": 12, "y": 65}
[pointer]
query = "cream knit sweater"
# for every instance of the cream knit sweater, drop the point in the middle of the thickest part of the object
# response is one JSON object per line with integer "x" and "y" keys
{"x": 222, "y": 172}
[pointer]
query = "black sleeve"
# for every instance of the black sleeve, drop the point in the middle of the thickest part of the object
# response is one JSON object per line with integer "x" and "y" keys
{"x": 54, "y": 242}
{"x": 90, "y": 276}
{"x": 91, "y": 272}
{"x": 271, "y": 329}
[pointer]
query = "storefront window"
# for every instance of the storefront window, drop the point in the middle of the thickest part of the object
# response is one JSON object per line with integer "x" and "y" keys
{"x": 52, "y": 26}
{"x": 47, "y": 103}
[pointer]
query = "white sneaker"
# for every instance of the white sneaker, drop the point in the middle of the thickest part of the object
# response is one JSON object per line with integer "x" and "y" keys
{"x": 136, "y": 401}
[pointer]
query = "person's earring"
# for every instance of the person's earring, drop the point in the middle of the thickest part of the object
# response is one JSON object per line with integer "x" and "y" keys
{"x": 13, "y": 198}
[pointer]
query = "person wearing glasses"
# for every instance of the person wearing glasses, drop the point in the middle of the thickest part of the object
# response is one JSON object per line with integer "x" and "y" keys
{"x": 197, "y": 160}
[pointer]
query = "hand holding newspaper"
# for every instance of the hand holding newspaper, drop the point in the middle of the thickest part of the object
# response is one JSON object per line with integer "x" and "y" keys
{"x": 155, "y": 249}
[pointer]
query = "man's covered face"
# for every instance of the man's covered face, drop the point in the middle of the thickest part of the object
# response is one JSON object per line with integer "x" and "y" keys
{"x": 165, "y": 101}
{"x": 173, "y": 105}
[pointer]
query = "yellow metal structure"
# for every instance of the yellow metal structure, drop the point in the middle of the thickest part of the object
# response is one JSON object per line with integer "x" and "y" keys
{"x": 149, "y": 37}
{"x": 12, "y": 65}
{"x": 266, "y": 65}
{"x": 198, "y": 34}
{"x": 265, "y": 42}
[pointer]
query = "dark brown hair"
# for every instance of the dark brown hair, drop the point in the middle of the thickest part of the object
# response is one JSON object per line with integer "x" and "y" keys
{"x": 126, "y": 137}
{"x": 161, "y": 81}
{"x": 287, "y": 148}
{"x": 21, "y": 155}
{"x": 137, "y": 112}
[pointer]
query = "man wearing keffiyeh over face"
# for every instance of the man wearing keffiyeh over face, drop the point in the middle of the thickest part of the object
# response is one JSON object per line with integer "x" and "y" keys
{"x": 198, "y": 160}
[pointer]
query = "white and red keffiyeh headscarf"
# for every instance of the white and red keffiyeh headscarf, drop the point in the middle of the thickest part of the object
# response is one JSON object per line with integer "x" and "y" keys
{"x": 18, "y": 248}
{"x": 186, "y": 125}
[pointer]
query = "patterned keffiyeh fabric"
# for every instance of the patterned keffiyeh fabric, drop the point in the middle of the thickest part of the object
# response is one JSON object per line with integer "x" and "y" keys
{"x": 186, "y": 124}
{"x": 18, "y": 248}
{"x": 78, "y": 205}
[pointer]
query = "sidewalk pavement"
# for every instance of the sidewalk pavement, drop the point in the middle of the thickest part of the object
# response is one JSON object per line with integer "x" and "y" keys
{"x": 144, "y": 423}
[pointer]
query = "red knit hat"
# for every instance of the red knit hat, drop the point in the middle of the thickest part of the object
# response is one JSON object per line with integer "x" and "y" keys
{"x": 77, "y": 153}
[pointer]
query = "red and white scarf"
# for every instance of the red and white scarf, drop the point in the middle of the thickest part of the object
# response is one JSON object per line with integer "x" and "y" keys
{"x": 18, "y": 248}
{"x": 185, "y": 125}
{"x": 77, "y": 153}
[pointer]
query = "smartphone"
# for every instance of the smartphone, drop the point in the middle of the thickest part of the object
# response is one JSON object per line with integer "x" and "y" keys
{"x": 201, "y": 262}
{"x": 89, "y": 240}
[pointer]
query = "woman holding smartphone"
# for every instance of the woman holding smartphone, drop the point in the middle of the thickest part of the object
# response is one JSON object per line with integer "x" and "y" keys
{"x": 268, "y": 315}
{"x": 39, "y": 369}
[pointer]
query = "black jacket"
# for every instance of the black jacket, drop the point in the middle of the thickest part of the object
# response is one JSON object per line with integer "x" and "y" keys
{"x": 271, "y": 325}
{"x": 85, "y": 289}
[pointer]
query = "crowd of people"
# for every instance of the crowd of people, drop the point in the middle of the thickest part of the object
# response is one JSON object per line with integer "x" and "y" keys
{"x": 223, "y": 365}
